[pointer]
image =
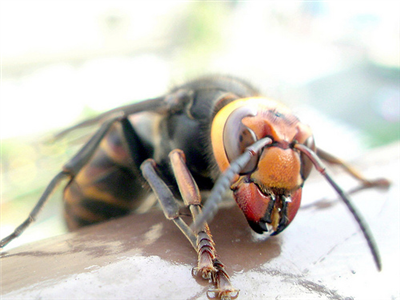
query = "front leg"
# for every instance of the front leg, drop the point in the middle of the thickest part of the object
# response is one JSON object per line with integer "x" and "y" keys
{"x": 208, "y": 266}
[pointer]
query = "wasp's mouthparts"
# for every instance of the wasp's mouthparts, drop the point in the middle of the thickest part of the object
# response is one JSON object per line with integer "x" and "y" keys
{"x": 265, "y": 210}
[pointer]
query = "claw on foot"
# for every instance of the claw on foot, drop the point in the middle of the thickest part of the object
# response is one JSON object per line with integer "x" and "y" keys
{"x": 204, "y": 272}
{"x": 222, "y": 294}
{"x": 224, "y": 289}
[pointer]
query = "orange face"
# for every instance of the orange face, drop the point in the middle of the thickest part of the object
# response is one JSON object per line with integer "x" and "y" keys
{"x": 268, "y": 190}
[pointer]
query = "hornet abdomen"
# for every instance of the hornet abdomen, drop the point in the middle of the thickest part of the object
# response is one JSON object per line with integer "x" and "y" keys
{"x": 108, "y": 186}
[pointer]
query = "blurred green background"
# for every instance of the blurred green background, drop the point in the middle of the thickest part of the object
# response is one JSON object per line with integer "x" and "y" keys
{"x": 335, "y": 62}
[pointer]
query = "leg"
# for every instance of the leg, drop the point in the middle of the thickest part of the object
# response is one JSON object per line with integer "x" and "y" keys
{"x": 32, "y": 216}
{"x": 209, "y": 267}
{"x": 167, "y": 201}
{"x": 366, "y": 183}
{"x": 191, "y": 198}
{"x": 70, "y": 169}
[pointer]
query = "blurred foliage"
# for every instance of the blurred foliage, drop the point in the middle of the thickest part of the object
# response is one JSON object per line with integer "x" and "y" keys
{"x": 200, "y": 36}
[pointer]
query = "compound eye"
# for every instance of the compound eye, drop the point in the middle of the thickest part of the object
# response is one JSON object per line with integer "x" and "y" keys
{"x": 237, "y": 137}
{"x": 306, "y": 164}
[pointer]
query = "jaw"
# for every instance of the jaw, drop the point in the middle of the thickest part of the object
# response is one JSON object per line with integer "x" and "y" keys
{"x": 267, "y": 211}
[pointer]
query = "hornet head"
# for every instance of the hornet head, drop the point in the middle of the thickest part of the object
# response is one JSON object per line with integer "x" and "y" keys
{"x": 268, "y": 189}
